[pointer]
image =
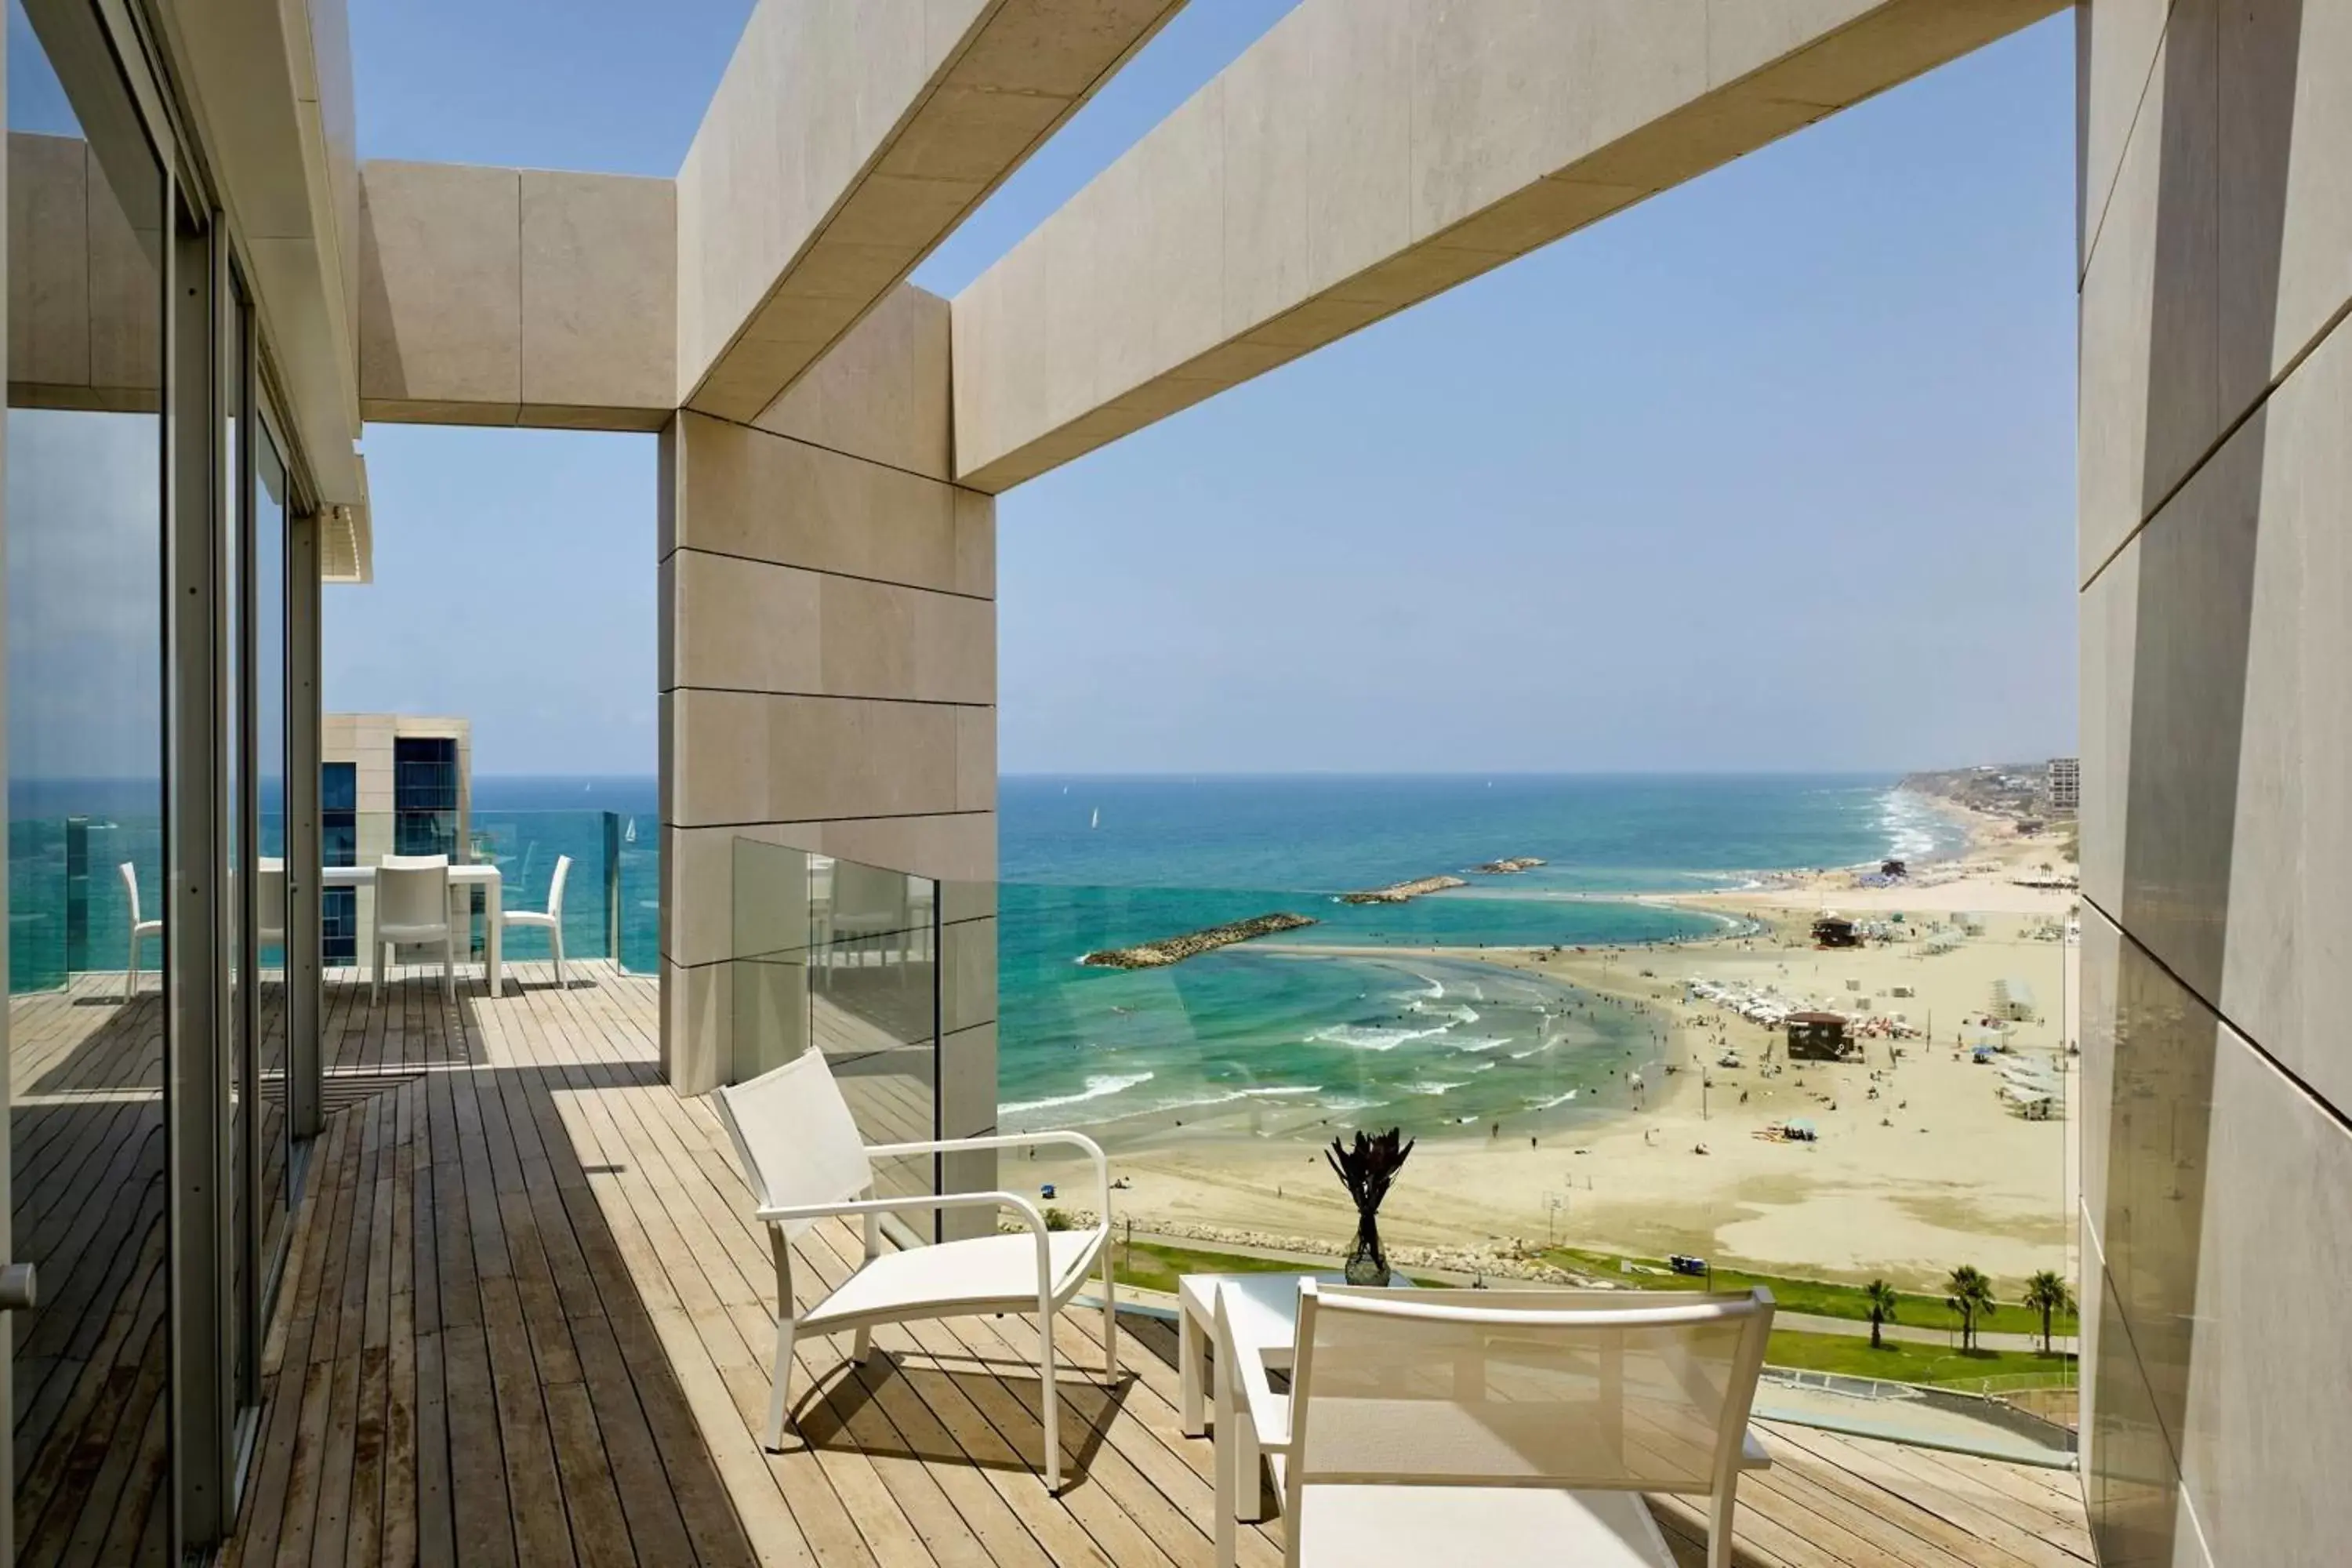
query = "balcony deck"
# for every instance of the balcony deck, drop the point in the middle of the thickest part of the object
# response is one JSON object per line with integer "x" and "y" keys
{"x": 524, "y": 1322}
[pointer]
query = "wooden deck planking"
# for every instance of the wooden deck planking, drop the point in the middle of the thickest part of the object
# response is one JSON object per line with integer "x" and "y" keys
{"x": 86, "y": 1141}
{"x": 527, "y": 1322}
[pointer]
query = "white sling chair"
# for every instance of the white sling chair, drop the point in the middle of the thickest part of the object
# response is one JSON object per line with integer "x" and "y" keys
{"x": 803, "y": 1159}
{"x": 551, "y": 922}
{"x": 140, "y": 931}
{"x": 1510, "y": 1428}
{"x": 412, "y": 905}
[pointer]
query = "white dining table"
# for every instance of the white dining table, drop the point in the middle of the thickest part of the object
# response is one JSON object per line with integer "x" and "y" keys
{"x": 470, "y": 875}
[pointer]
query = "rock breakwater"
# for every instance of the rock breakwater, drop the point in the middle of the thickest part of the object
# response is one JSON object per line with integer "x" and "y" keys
{"x": 1175, "y": 949}
{"x": 1400, "y": 892}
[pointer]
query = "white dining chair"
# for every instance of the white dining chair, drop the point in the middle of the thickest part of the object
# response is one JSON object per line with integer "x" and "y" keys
{"x": 803, "y": 1161}
{"x": 412, "y": 906}
{"x": 140, "y": 931}
{"x": 551, "y": 922}
{"x": 1422, "y": 1423}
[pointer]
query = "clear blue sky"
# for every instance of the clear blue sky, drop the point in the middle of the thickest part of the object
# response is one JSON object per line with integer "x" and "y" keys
{"x": 1773, "y": 471}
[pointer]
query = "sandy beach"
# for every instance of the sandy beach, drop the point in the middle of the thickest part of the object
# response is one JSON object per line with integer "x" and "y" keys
{"x": 1919, "y": 1165}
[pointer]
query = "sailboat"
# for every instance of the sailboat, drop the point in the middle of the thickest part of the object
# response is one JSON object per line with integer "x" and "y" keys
{"x": 1095, "y": 821}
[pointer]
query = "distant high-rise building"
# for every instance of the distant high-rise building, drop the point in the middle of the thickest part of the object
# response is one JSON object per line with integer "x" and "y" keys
{"x": 2065, "y": 783}
{"x": 389, "y": 783}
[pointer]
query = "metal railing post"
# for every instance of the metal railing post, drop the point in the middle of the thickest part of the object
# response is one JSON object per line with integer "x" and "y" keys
{"x": 76, "y": 896}
{"x": 613, "y": 886}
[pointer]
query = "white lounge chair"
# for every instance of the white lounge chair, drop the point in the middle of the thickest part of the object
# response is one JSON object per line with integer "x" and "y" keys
{"x": 1515, "y": 1428}
{"x": 551, "y": 922}
{"x": 140, "y": 931}
{"x": 412, "y": 905}
{"x": 803, "y": 1159}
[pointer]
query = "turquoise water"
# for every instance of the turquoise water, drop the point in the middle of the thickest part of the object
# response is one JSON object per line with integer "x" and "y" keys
{"x": 1284, "y": 1038}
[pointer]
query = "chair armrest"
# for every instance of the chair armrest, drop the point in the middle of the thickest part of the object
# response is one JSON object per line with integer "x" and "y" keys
{"x": 1094, "y": 1151}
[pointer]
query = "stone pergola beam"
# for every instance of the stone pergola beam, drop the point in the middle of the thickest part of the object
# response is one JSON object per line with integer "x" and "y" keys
{"x": 1367, "y": 155}
{"x": 515, "y": 297}
{"x": 846, "y": 139}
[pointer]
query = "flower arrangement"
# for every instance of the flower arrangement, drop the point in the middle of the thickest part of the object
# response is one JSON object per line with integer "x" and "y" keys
{"x": 1367, "y": 1169}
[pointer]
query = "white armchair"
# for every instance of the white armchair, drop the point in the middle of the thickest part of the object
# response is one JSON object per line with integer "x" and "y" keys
{"x": 803, "y": 1159}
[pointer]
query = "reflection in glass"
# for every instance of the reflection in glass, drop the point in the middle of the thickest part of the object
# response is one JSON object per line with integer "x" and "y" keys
{"x": 85, "y": 541}
{"x": 845, "y": 957}
{"x": 269, "y": 763}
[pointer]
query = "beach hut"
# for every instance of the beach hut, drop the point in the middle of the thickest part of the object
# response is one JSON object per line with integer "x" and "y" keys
{"x": 2012, "y": 998}
{"x": 1835, "y": 930}
{"x": 1820, "y": 1037}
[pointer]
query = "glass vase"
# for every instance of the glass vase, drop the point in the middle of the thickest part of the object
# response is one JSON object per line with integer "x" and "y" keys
{"x": 1367, "y": 1263}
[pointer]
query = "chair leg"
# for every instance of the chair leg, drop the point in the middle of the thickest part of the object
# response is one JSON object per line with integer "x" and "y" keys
{"x": 1051, "y": 1406}
{"x": 375, "y": 975}
{"x": 779, "y": 1383}
{"x": 1110, "y": 1318}
{"x": 861, "y": 1346}
{"x": 449, "y": 967}
{"x": 555, "y": 935}
{"x": 1719, "y": 1525}
{"x": 130, "y": 971}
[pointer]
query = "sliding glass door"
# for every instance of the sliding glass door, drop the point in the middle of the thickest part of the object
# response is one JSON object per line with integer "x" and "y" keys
{"x": 150, "y": 524}
{"x": 88, "y": 969}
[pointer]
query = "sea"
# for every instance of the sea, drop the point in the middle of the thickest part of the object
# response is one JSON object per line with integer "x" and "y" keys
{"x": 1339, "y": 1022}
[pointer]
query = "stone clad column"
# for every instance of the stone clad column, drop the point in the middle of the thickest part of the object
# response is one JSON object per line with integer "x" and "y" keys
{"x": 2216, "y": 613}
{"x": 828, "y": 678}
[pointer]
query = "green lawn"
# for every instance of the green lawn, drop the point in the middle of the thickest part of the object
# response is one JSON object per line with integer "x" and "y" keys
{"x": 1899, "y": 1363}
{"x": 1154, "y": 1266}
{"x": 1816, "y": 1296}
{"x": 1149, "y": 1266}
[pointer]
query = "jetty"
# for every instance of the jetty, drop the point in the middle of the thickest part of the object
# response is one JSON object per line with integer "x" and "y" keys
{"x": 1192, "y": 944}
{"x": 1399, "y": 892}
{"x": 1511, "y": 867}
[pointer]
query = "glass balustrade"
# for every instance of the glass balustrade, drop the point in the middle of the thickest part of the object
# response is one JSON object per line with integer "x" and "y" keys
{"x": 845, "y": 957}
{"x": 70, "y": 904}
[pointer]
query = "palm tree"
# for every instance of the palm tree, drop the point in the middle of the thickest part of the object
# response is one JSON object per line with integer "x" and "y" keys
{"x": 2047, "y": 1294}
{"x": 1971, "y": 1298}
{"x": 1881, "y": 1299}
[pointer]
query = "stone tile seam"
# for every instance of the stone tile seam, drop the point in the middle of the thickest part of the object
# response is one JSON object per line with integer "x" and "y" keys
{"x": 2295, "y": 1080}
{"x": 2261, "y": 400}
{"x": 677, "y": 550}
{"x": 2139, "y": 105}
{"x": 819, "y": 821}
{"x": 832, "y": 696}
{"x": 836, "y": 451}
